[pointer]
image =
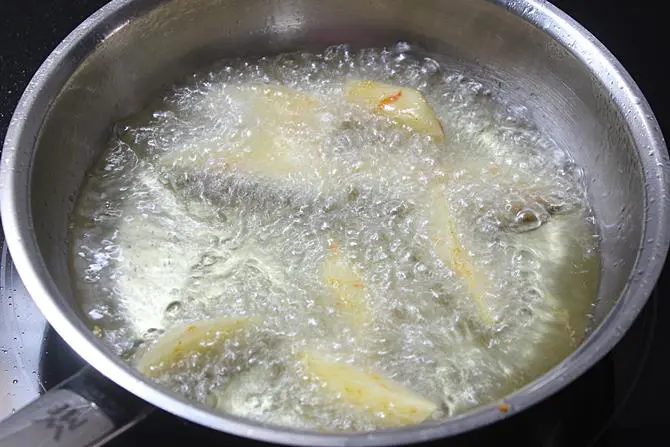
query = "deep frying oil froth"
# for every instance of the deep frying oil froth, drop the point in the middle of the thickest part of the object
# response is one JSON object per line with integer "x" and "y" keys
{"x": 164, "y": 234}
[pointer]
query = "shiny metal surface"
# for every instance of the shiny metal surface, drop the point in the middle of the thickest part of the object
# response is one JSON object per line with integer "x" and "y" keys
{"x": 528, "y": 53}
{"x": 22, "y": 335}
{"x": 60, "y": 418}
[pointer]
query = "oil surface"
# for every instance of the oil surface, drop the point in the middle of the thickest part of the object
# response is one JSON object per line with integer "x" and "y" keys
{"x": 475, "y": 258}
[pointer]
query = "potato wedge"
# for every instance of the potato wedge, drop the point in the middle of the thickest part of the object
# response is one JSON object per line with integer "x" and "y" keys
{"x": 404, "y": 105}
{"x": 443, "y": 233}
{"x": 276, "y": 103}
{"x": 198, "y": 336}
{"x": 393, "y": 404}
{"x": 347, "y": 287}
{"x": 283, "y": 132}
{"x": 286, "y": 134}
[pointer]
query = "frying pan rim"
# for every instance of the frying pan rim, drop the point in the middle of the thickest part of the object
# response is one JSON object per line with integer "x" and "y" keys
{"x": 15, "y": 180}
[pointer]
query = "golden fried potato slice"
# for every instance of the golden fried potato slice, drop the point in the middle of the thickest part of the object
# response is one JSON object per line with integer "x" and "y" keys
{"x": 393, "y": 404}
{"x": 347, "y": 287}
{"x": 195, "y": 337}
{"x": 404, "y": 105}
{"x": 443, "y": 232}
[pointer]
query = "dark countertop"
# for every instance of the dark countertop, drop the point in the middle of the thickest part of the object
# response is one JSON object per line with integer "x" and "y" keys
{"x": 30, "y": 29}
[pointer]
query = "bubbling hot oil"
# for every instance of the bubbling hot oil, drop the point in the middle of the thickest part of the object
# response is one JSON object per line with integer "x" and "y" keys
{"x": 155, "y": 244}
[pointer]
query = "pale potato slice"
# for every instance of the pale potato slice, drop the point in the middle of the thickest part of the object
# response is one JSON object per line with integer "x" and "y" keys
{"x": 282, "y": 104}
{"x": 266, "y": 155}
{"x": 287, "y": 133}
{"x": 443, "y": 232}
{"x": 404, "y": 105}
{"x": 390, "y": 402}
{"x": 347, "y": 287}
{"x": 283, "y": 132}
{"x": 196, "y": 337}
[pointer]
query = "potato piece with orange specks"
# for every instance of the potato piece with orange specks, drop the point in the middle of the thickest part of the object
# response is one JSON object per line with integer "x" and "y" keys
{"x": 444, "y": 235}
{"x": 391, "y": 403}
{"x": 196, "y": 337}
{"x": 347, "y": 287}
{"x": 404, "y": 105}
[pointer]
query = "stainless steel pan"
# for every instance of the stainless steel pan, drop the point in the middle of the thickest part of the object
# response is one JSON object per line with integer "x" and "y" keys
{"x": 528, "y": 53}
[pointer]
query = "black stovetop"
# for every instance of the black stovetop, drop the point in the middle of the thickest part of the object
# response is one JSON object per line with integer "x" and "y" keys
{"x": 619, "y": 402}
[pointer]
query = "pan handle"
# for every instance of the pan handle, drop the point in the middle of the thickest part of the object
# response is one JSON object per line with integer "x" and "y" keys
{"x": 85, "y": 410}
